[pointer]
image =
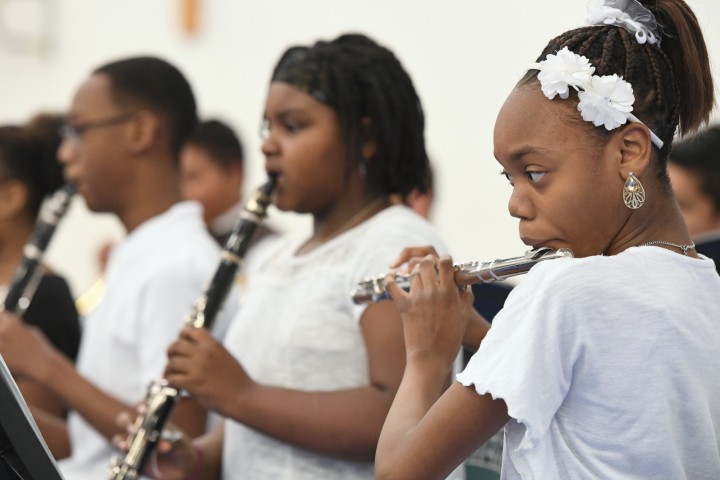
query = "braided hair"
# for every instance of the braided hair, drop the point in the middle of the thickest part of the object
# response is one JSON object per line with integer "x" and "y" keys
{"x": 672, "y": 83}
{"x": 374, "y": 99}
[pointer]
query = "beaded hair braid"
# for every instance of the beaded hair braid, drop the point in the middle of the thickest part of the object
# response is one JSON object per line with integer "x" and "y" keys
{"x": 672, "y": 84}
{"x": 374, "y": 98}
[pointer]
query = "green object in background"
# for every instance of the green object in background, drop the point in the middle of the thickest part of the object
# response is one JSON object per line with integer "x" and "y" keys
{"x": 479, "y": 473}
{"x": 484, "y": 463}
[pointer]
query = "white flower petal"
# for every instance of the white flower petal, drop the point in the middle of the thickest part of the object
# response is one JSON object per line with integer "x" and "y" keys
{"x": 563, "y": 70}
{"x": 630, "y": 15}
{"x": 603, "y": 100}
{"x": 607, "y": 101}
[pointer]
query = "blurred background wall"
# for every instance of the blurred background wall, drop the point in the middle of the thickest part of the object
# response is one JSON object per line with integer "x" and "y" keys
{"x": 464, "y": 56}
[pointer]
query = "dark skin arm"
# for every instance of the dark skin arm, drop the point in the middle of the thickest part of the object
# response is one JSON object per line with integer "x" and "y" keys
{"x": 476, "y": 325}
{"x": 41, "y": 397}
{"x": 54, "y": 431}
{"x": 428, "y": 433}
{"x": 29, "y": 354}
{"x": 475, "y": 330}
{"x": 199, "y": 459}
{"x": 343, "y": 424}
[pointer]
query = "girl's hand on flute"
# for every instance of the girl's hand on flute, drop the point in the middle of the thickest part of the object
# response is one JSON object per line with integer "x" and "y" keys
{"x": 413, "y": 255}
{"x": 434, "y": 311}
{"x": 476, "y": 325}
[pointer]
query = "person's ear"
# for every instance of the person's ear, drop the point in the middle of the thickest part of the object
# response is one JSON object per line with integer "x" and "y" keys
{"x": 635, "y": 149}
{"x": 236, "y": 173}
{"x": 13, "y": 199}
{"x": 144, "y": 130}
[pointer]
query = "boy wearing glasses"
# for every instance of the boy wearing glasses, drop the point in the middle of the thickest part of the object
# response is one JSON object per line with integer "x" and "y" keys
{"x": 121, "y": 144}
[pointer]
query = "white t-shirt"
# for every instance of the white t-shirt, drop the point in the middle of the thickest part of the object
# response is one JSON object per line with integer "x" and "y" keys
{"x": 609, "y": 367}
{"x": 152, "y": 279}
{"x": 298, "y": 328}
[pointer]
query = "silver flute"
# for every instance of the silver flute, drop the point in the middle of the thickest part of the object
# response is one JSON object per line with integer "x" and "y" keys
{"x": 161, "y": 396}
{"x": 373, "y": 289}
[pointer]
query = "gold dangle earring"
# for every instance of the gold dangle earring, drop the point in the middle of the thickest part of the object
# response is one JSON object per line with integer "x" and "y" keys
{"x": 633, "y": 192}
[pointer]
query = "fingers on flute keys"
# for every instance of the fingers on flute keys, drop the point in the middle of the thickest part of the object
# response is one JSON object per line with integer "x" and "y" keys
{"x": 423, "y": 272}
{"x": 413, "y": 253}
{"x": 446, "y": 272}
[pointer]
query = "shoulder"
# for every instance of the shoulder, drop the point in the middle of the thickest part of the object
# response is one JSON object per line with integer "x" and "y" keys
{"x": 54, "y": 284}
{"x": 52, "y": 298}
{"x": 563, "y": 283}
{"x": 567, "y": 273}
{"x": 174, "y": 250}
{"x": 181, "y": 235}
{"x": 380, "y": 240}
{"x": 609, "y": 278}
{"x": 278, "y": 244}
{"x": 401, "y": 226}
{"x": 561, "y": 272}
{"x": 53, "y": 311}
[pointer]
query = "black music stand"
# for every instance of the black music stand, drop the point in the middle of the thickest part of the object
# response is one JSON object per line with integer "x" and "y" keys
{"x": 23, "y": 452}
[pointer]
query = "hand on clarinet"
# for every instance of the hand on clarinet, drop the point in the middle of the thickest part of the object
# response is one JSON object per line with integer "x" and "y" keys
{"x": 200, "y": 364}
{"x": 174, "y": 458}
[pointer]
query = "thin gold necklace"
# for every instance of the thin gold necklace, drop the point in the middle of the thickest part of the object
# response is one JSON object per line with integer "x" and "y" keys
{"x": 311, "y": 244}
{"x": 684, "y": 248}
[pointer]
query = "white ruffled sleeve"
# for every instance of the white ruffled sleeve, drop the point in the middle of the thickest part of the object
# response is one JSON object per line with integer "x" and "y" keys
{"x": 528, "y": 355}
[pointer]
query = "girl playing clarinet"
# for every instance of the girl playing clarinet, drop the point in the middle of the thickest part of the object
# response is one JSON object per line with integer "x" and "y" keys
{"x": 305, "y": 378}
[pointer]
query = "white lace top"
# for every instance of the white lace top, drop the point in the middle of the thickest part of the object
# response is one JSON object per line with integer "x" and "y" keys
{"x": 298, "y": 328}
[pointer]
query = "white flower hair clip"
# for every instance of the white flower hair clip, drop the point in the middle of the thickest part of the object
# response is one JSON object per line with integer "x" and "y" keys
{"x": 627, "y": 14}
{"x": 604, "y": 100}
{"x": 561, "y": 71}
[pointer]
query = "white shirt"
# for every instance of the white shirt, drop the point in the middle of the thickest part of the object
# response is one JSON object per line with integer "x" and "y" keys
{"x": 609, "y": 368}
{"x": 299, "y": 329}
{"x": 152, "y": 279}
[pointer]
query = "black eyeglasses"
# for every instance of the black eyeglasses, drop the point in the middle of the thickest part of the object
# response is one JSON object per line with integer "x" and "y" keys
{"x": 73, "y": 131}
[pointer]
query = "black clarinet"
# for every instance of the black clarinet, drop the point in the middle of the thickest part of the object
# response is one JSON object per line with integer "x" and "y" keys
{"x": 161, "y": 396}
{"x": 29, "y": 273}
